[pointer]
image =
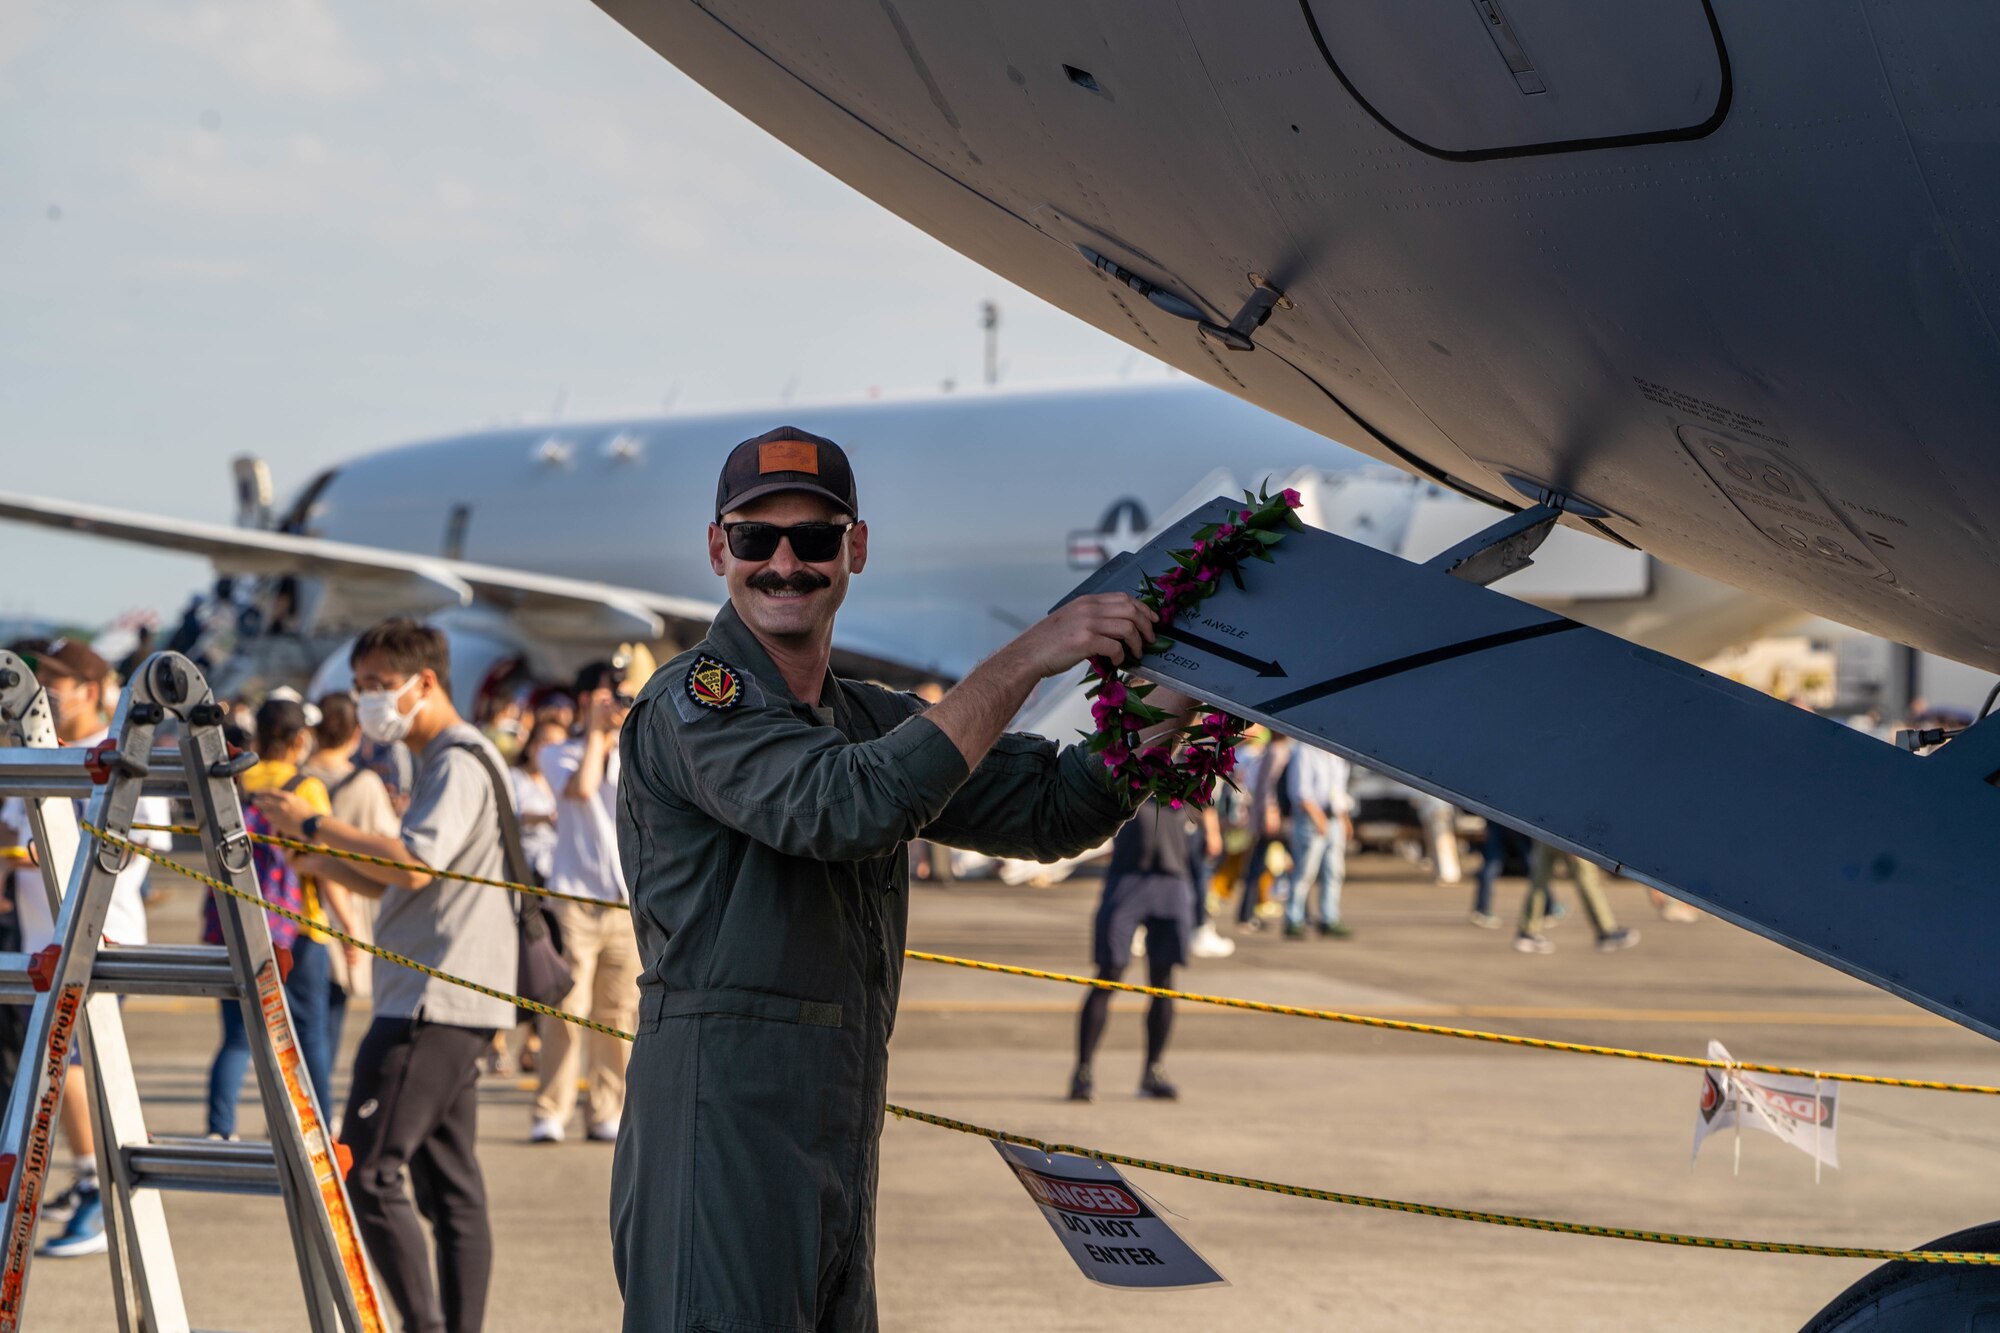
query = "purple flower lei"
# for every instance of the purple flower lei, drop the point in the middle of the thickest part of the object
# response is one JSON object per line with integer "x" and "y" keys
{"x": 1118, "y": 705}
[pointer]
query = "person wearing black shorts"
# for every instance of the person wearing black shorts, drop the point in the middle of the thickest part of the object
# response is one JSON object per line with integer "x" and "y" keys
{"x": 1149, "y": 884}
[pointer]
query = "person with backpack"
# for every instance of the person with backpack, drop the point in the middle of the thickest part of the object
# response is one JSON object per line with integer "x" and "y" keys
{"x": 413, "y": 1103}
{"x": 282, "y": 738}
{"x": 360, "y": 798}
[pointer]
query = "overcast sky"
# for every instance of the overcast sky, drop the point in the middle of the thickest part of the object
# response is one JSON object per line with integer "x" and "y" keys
{"x": 308, "y": 230}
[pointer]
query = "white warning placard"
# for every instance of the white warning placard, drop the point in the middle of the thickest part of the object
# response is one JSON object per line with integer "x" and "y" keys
{"x": 1804, "y": 1112}
{"x": 1109, "y": 1227}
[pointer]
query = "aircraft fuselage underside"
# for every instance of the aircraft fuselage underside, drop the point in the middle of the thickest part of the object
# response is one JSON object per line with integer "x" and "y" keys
{"x": 1726, "y": 271}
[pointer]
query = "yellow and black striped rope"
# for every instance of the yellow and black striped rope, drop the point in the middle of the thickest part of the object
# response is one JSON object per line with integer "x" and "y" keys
{"x": 317, "y": 849}
{"x": 299, "y": 919}
{"x": 1123, "y": 1159}
{"x": 1435, "y": 1030}
{"x": 1459, "y": 1214}
{"x": 1222, "y": 1001}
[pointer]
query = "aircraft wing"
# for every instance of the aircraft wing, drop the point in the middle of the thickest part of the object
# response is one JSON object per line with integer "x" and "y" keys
{"x": 364, "y": 583}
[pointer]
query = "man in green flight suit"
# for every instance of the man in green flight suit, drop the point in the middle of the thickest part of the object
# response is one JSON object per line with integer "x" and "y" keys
{"x": 762, "y": 821}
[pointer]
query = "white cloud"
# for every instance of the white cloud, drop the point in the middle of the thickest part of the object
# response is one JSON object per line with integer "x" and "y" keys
{"x": 22, "y": 31}
{"x": 505, "y": 41}
{"x": 459, "y": 195}
{"x": 208, "y": 173}
{"x": 197, "y": 268}
{"x": 276, "y": 46}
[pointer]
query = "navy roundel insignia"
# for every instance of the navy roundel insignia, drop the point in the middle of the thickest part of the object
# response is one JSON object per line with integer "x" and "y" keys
{"x": 713, "y": 684}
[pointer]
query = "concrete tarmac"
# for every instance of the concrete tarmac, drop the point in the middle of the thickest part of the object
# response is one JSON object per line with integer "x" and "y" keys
{"x": 1318, "y": 1104}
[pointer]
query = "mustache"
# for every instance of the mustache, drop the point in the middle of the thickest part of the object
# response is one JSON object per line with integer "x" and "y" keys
{"x": 804, "y": 580}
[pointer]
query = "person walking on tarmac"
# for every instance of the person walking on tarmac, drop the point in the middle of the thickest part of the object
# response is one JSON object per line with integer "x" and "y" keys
{"x": 1149, "y": 884}
{"x": 763, "y": 815}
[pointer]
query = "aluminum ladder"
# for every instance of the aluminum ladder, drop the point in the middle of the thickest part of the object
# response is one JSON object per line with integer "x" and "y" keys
{"x": 74, "y": 985}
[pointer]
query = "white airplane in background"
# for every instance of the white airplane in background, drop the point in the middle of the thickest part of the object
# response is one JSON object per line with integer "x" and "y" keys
{"x": 547, "y": 545}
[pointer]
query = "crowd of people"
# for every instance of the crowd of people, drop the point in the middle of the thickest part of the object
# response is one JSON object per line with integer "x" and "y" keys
{"x": 387, "y": 770}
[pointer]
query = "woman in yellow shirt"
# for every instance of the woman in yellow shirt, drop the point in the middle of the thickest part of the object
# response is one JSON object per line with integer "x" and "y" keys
{"x": 283, "y": 740}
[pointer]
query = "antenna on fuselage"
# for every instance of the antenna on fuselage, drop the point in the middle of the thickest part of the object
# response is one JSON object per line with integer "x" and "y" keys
{"x": 989, "y": 320}
{"x": 253, "y": 491}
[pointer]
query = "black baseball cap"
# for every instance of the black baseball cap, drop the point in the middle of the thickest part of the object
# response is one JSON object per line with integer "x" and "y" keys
{"x": 785, "y": 459}
{"x": 281, "y": 718}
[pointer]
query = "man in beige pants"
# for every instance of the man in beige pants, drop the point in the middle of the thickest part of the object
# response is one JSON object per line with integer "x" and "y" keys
{"x": 598, "y": 940}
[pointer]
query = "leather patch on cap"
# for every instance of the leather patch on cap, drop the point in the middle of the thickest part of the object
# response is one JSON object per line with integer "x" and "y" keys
{"x": 788, "y": 456}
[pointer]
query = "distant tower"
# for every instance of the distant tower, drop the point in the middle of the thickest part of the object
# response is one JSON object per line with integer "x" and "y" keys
{"x": 989, "y": 320}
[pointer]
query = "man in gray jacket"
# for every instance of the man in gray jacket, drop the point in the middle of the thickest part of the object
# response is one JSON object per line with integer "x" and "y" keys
{"x": 765, "y": 808}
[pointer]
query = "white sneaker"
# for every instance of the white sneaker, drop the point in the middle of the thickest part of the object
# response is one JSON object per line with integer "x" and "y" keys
{"x": 545, "y": 1130}
{"x": 1209, "y": 943}
{"x": 604, "y": 1131}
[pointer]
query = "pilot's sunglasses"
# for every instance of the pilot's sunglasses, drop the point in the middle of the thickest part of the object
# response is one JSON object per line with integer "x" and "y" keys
{"x": 814, "y": 543}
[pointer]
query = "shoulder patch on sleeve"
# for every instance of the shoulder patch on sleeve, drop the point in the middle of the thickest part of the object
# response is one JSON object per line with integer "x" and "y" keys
{"x": 713, "y": 686}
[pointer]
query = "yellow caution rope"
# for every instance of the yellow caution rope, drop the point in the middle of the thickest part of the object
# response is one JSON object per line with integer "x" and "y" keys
{"x": 317, "y": 849}
{"x": 1434, "y": 1030}
{"x": 1193, "y": 997}
{"x": 1459, "y": 1214}
{"x": 299, "y": 919}
{"x": 1123, "y": 1159}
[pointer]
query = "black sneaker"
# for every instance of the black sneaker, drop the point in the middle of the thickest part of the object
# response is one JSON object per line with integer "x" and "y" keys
{"x": 1334, "y": 930}
{"x": 1155, "y": 1086}
{"x": 59, "y": 1208}
{"x": 1614, "y": 940}
{"x": 1080, "y": 1088}
{"x": 1295, "y": 930}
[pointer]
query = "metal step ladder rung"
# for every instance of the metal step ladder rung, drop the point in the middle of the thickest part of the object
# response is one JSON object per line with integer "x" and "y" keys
{"x": 66, "y": 772}
{"x": 142, "y": 969}
{"x": 205, "y": 1166}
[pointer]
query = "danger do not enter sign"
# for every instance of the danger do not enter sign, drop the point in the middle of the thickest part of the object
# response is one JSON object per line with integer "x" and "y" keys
{"x": 1108, "y": 1227}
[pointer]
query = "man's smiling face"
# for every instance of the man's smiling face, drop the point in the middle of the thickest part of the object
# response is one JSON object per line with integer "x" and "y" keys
{"x": 784, "y": 598}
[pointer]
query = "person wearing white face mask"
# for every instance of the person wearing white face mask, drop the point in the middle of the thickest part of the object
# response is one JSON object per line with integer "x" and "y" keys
{"x": 412, "y": 1103}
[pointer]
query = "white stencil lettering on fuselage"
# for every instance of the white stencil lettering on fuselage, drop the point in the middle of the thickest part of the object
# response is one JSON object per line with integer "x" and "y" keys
{"x": 1781, "y": 502}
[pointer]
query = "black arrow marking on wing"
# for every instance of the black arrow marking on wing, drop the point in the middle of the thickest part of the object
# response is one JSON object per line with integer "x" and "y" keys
{"x": 1428, "y": 657}
{"x": 1226, "y": 653}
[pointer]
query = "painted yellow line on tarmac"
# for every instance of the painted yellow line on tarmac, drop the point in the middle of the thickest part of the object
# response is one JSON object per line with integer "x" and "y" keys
{"x": 190, "y": 1004}
{"x": 1791, "y": 1017}
{"x": 1776, "y": 1018}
